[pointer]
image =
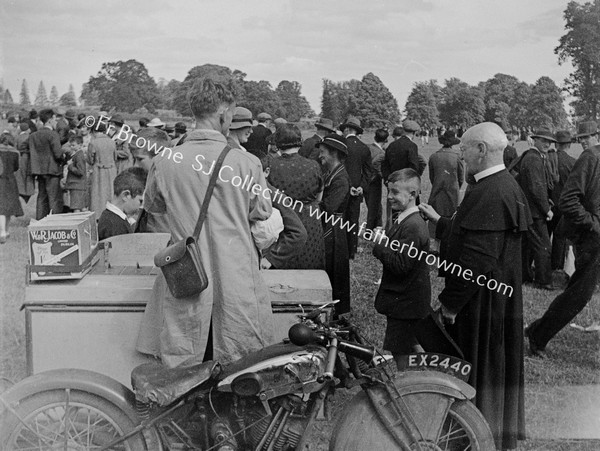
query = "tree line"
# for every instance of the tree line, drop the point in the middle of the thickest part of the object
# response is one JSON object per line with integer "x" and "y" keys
{"x": 503, "y": 99}
{"x": 68, "y": 99}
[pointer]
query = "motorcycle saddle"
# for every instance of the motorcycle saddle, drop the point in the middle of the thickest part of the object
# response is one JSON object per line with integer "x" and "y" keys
{"x": 155, "y": 383}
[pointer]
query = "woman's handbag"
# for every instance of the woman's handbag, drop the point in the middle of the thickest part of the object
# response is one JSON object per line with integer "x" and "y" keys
{"x": 184, "y": 275}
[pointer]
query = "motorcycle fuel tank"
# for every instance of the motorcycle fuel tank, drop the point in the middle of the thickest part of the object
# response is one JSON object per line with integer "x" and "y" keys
{"x": 276, "y": 370}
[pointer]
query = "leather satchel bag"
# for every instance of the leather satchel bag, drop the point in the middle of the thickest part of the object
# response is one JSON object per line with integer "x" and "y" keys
{"x": 180, "y": 262}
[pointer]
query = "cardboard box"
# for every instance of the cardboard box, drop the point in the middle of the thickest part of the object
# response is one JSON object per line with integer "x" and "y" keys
{"x": 62, "y": 246}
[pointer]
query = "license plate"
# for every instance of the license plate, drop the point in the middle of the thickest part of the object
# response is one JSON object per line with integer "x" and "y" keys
{"x": 436, "y": 362}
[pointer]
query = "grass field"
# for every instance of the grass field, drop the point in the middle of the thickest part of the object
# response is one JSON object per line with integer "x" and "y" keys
{"x": 574, "y": 356}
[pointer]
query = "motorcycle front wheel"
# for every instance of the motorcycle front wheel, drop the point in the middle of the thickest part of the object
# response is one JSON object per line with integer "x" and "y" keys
{"x": 461, "y": 427}
{"x": 67, "y": 420}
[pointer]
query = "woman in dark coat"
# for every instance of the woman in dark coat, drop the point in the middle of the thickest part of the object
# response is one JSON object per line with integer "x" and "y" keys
{"x": 301, "y": 179}
{"x": 10, "y": 205}
{"x": 333, "y": 152}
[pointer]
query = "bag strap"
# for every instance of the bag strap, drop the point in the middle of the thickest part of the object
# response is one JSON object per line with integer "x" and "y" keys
{"x": 209, "y": 190}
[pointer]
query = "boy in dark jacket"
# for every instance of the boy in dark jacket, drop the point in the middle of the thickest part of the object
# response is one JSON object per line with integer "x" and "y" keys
{"x": 128, "y": 189}
{"x": 404, "y": 294}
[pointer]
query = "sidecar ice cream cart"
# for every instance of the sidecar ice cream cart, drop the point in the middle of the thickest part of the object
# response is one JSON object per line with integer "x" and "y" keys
{"x": 92, "y": 322}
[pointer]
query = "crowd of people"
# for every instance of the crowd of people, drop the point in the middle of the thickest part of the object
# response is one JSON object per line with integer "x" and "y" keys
{"x": 518, "y": 217}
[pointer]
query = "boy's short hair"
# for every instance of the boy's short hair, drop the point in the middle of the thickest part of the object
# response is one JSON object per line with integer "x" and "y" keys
{"x": 46, "y": 115}
{"x": 132, "y": 180}
{"x": 143, "y": 121}
{"x": 153, "y": 135}
{"x": 266, "y": 160}
{"x": 381, "y": 135}
{"x": 406, "y": 175}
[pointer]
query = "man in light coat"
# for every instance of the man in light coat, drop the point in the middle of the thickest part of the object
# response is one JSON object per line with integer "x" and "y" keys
{"x": 234, "y": 311}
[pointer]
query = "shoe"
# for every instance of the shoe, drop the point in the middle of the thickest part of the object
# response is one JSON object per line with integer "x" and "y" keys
{"x": 3, "y": 239}
{"x": 534, "y": 349}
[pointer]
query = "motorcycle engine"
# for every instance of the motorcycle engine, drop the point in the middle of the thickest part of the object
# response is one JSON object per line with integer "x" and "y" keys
{"x": 284, "y": 429}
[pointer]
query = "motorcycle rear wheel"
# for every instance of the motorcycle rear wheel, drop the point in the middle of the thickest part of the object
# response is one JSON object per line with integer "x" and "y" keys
{"x": 463, "y": 429}
{"x": 67, "y": 419}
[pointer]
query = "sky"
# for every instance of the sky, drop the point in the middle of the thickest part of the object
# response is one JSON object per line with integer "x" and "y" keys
{"x": 64, "y": 42}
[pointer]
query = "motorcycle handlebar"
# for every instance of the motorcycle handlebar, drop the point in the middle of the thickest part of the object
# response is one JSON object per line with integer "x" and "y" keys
{"x": 301, "y": 334}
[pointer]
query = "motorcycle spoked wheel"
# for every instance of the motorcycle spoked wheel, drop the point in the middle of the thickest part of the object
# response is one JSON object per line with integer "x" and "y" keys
{"x": 463, "y": 429}
{"x": 71, "y": 421}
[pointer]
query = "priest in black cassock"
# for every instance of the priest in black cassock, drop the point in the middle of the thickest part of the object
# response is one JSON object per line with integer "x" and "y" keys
{"x": 482, "y": 303}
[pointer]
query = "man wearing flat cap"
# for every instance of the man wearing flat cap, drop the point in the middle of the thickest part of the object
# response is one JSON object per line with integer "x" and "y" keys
{"x": 564, "y": 163}
{"x": 309, "y": 147}
{"x": 257, "y": 142}
{"x": 402, "y": 153}
{"x": 536, "y": 182}
{"x": 360, "y": 169}
{"x": 580, "y": 205}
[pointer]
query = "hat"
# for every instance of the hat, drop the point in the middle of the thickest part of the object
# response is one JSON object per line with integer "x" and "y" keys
{"x": 448, "y": 139}
{"x": 410, "y": 126}
{"x": 335, "y": 142}
{"x": 180, "y": 127}
{"x": 242, "y": 117}
{"x": 263, "y": 117}
{"x": 352, "y": 122}
{"x": 544, "y": 133}
{"x": 398, "y": 131}
{"x": 280, "y": 121}
{"x": 156, "y": 122}
{"x": 169, "y": 128}
{"x": 117, "y": 119}
{"x": 33, "y": 114}
{"x": 70, "y": 114}
{"x": 325, "y": 124}
{"x": 587, "y": 128}
{"x": 563, "y": 136}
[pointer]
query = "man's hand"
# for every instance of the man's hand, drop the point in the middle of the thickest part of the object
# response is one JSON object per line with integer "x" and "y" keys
{"x": 549, "y": 215}
{"x": 428, "y": 212}
{"x": 265, "y": 264}
{"x": 446, "y": 315}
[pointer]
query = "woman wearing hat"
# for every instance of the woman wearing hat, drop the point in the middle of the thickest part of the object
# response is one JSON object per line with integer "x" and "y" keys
{"x": 301, "y": 180}
{"x": 332, "y": 154}
{"x": 447, "y": 174}
{"x": 240, "y": 128}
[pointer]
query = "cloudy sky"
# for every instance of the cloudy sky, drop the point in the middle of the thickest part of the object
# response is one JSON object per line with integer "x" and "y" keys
{"x": 401, "y": 41}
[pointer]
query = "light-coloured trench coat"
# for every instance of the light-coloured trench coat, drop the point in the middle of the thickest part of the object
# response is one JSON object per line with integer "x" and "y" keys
{"x": 237, "y": 296}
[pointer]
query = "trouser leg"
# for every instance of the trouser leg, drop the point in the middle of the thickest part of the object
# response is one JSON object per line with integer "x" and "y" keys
{"x": 539, "y": 247}
{"x": 373, "y": 199}
{"x": 570, "y": 302}
{"x": 352, "y": 215}
{"x": 42, "y": 207}
{"x": 55, "y": 194}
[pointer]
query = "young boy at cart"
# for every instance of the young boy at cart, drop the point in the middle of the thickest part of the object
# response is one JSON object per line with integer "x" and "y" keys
{"x": 404, "y": 293}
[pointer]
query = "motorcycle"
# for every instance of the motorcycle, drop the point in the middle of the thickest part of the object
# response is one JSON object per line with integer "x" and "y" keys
{"x": 268, "y": 400}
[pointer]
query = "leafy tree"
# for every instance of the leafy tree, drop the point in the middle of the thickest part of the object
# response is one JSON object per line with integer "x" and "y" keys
{"x": 41, "y": 99}
{"x": 581, "y": 44}
{"x": 330, "y": 102}
{"x": 462, "y": 105}
{"x": 421, "y": 104}
{"x": 292, "y": 105}
{"x": 8, "y": 99}
{"x": 375, "y": 104}
{"x": 258, "y": 97}
{"x": 546, "y": 105}
{"x": 68, "y": 99}
{"x": 53, "y": 100}
{"x": 125, "y": 86}
{"x": 24, "y": 95}
{"x": 167, "y": 92}
{"x": 88, "y": 95}
{"x": 519, "y": 109}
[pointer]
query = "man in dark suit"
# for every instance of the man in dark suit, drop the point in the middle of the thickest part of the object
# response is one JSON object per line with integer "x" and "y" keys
{"x": 565, "y": 164}
{"x": 510, "y": 153}
{"x": 33, "y": 115}
{"x": 64, "y": 124}
{"x": 257, "y": 142}
{"x": 580, "y": 206}
{"x": 46, "y": 165}
{"x": 402, "y": 153}
{"x": 535, "y": 181}
{"x": 359, "y": 168}
{"x": 309, "y": 147}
